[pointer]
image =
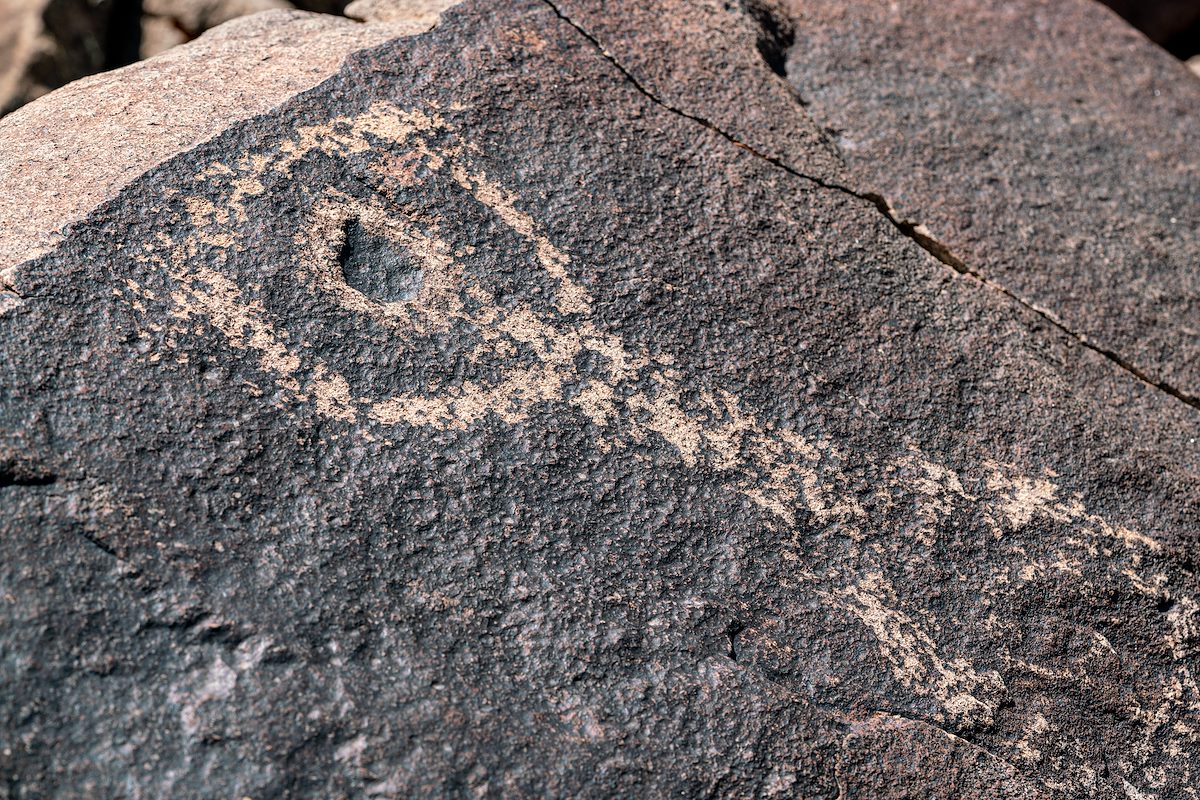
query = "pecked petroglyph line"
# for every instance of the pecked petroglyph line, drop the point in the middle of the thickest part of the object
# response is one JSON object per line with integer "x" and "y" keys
{"x": 629, "y": 397}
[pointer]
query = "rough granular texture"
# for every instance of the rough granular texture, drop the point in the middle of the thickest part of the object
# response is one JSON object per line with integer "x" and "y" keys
{"x": 540, "y": 406}
{"x": 1070, "y": 175}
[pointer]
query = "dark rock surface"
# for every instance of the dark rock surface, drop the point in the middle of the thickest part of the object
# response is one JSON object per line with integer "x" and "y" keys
{"x": 1070, "y": 176}
{"x": 642, "y": 465}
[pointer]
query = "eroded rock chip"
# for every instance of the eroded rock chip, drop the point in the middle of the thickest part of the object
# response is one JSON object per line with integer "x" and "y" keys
{"x": 510, "y": 413}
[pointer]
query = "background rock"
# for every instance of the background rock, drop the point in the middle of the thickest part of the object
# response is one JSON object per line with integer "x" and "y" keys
{"x": 389, "y": 10}
{"x": 168, "y": 23}
{"x": 47, "y": 43}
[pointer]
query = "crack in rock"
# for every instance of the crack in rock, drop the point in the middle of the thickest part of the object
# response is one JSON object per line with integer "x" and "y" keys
{"x": 775, "y": 34}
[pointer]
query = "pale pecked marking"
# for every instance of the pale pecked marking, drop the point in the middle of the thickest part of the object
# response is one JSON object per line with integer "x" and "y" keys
{"x": 631, "y": 398}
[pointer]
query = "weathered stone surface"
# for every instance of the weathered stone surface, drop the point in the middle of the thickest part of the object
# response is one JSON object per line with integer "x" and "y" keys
{"x": 1069, "y": 175}
{"x": 169, "y": 23}
{"x": 80, "y": 146}
{"x": 494, "y": 418}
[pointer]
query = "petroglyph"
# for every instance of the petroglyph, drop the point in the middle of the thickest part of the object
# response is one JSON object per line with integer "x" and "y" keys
{"x": 522, "y": 350}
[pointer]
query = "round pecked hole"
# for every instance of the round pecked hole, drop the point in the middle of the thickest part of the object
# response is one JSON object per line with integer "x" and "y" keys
{"x": 377, "y": 267}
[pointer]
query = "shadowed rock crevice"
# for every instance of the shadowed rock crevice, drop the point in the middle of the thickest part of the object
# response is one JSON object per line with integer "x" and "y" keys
{"x": 123, "y": 45}
{"x": 20, "y": 470}
{"x": 731, "y": 632}
{"x": 914, "y": 231}
{"x": 99, "y": 544}
{"x": 1174, "y": 24}
{"x": 777, "y": 33}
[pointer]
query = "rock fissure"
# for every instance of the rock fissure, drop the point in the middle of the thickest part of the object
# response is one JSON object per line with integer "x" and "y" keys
{"x": 6, "y": 285}
{"x": 877, "y": 722}
{"x": 8, "y": 479}
{"x": 913, "y": 231}
{"x": 731, "y": 633}
{"x": 99, "y": 545}
{"x": 17, "y": 470}
{"x": 944, "y": 254}
{"x": 954, "y": 737}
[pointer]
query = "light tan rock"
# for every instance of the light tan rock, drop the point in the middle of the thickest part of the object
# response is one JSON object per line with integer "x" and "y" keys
{"x": 394, "y": 10}
{"x": 197, "y": 16}
{"x": 87, "y": 140}
{"x": 168, "y": 23}
{"x": 160, "y": 34}
{"x": 17, "y": 42}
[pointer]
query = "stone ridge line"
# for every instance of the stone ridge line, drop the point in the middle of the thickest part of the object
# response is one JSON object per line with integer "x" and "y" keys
{"x": 910, "y": 230}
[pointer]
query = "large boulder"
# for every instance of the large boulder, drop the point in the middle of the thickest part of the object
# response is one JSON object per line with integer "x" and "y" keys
{"x": 548, "y": 403}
